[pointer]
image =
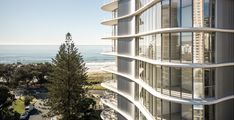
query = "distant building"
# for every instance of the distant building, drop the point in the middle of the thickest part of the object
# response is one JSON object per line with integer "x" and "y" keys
{"x": 174, "y": 60}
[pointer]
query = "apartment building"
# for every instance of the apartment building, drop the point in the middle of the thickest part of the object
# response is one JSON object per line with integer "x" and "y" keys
{"x": 174, "y": 60}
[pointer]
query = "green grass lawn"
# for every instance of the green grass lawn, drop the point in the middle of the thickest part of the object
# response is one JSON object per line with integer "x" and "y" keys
{"x": 98, "y": 77}
{"x": 95, "y": 79}
{"x": 95, "y": 87}
{"x": 19, "y": 107}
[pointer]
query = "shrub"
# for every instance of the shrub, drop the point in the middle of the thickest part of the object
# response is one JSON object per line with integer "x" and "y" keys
{"x": 27, "y": 100}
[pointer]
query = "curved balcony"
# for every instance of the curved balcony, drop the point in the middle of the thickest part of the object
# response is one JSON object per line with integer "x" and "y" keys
{"x": 170, "y": 64}
{"x": 109, "y": 7}
{"x": 115, "y": 20}
{"x": 207, "y": 101}
{"x": 173, "y": 30}
{"x": 113, "y": 105}
{"x": 110, "y": 85}
{"x": 108, "y": 114}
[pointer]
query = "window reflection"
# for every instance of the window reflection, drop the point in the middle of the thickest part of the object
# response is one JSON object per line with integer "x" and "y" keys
{"x": 198, "y": 111}
{"x": 165, "y": 47}
{"x": 175, "y": 111}
{"x": 175, "y": 47}
{"x": 178, "y": 47}
{"x": 165, "y": 110}
{"x": 149, "y": 20}
{"x": 147, "y": 46}
{"x": 165, "y": 14}
{"x": 166, "y": 80}
{"x": 209, "y": 112}
{"x": 209, "y": 83}
{"x": 209, "y": 13}
{"x": 176, "y": 82}
{"x": 186, "y": 17}
{"x": 186, "y": 47}
{"x": 175, "y": 13}
{"x": 187, "y": 82}
{"x": 158, "y": 47}
{"x": 209, "y": 50}
{"x": 198, "y": 83}
{"x": 159, "y": 82}
{"x": 187, "y": 112}
{"x": 159, "y": 108}
{"x": 140, "y": 3}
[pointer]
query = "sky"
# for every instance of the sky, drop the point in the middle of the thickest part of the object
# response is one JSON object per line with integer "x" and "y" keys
{"x": 25, "y": 22}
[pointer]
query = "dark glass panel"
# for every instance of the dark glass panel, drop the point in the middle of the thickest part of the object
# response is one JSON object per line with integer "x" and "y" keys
{"x": 175, "y": 13}
{"x": 175, "y": 47}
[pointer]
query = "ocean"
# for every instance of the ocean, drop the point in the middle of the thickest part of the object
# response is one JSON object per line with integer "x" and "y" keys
{"x": 27, "y": 54}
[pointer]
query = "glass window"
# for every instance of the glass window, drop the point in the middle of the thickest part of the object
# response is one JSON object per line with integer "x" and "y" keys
{"x": 147, "y": 46}
{"x": 159, "y": 81}
{"x": 175, "y": 13}
{"x": 147, "y": 99}
{"x": 198, "y": 111}
{"x": 209, "y": 112}
{"x": 198, "y": 47}
{"x": 141, "y": 70}
{"x": 155, "y": 107}
{"x": 209, "y": 81}
{"x": 158, "y": 46}
{"x": 165, "y": 13}
{"x": 140, "y": 3}
{"x": 206, "y": 13}
{"x": 175, "y": 47}
{"x": 137, "y": 69}
{"x": 175, "y": 111}
{"x": 149, "y": 20}
{"x": 166, "y": 80}
{"x": 187, "y": 112}
{"x": 147, "y": 72}
{"x": 209, "y": 13}
{"x": 150, "y": 74}
{"x": 165, "y": 110}
{"x": 186, "y": 17}
{"x": 187, "y": 82}
{"x": 186, "y": 47}
{"x": 209, "y": 47}
{"x": 159, "y": 108}
{"x": 165, "y": 46}
{"x": 158, "y": 15}
{"x": 151, "y": 103}
{"x": 198, "y": 83}
{"x": 176, "y": 82}
{"x": 154, "y": 79}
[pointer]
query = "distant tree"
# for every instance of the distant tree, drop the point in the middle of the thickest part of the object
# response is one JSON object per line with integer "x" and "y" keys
{"x": 27, "y": 100}
{"x": 7, "y": 71}
{"x": 42, "y": 71}
{"x": 67, "y": 97}
{"x": 24, "y": 73}
{"x": 6, "y": 99}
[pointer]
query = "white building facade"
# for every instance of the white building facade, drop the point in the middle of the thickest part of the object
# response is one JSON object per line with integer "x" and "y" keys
{"x": 174, "y": 60}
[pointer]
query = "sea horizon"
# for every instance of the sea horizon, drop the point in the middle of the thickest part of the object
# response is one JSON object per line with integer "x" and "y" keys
{"x": 31, "y": 54}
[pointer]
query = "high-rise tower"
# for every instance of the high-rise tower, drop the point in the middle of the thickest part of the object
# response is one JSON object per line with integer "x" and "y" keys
{"x": 174, "y": 59}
